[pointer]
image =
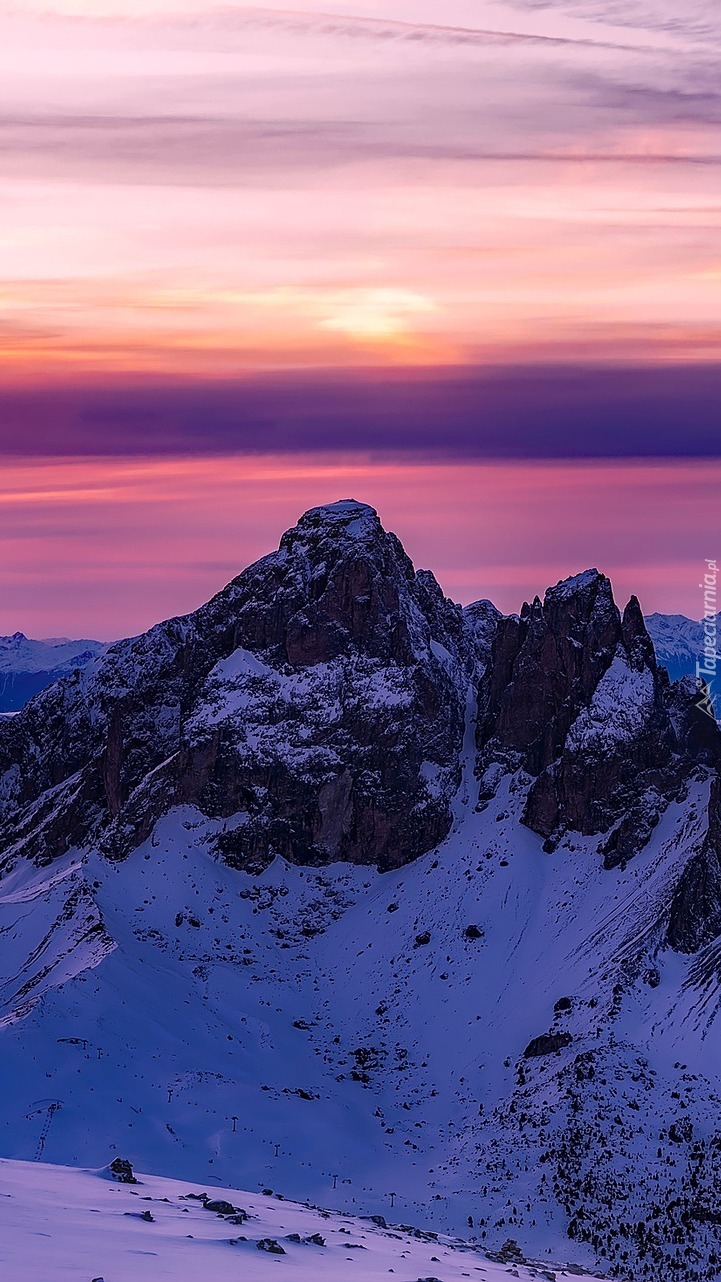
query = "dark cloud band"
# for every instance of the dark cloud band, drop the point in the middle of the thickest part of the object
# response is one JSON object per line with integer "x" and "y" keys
{"x": 521, "y": 412}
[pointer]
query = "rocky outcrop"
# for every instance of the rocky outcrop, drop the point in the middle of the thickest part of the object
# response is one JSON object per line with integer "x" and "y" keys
{"x": 545, "y": 666}
{"x": 317, "y": 704}
{"x": 481, "y": 620}
{"x": 121, "y": 1170}
{"x": 574, "y": 696}
{"x": 695, "y": 915}
{"x": 547, "y": 1044}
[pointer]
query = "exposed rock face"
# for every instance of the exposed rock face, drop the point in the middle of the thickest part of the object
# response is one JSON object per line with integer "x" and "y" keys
{"x": 319, "y": 701}
{"x": 547, "y": 1044}
{"x": 573, "y": 695}
{"x": 317, "y": 707}
{"x": 544, "y": 667}
{"x": 482, "y": 620}
{"x": 695, "y": 917}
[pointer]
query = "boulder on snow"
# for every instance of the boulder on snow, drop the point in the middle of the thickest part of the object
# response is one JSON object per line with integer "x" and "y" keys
{"x": 270, "y": 1245}
{"x": 121, "y": 1170}
{"x": 221, "y": 1207}
{"x": 546, "y": 1044}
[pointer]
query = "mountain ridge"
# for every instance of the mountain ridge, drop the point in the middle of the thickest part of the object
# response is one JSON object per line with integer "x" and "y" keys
{"x": 418, "y": 898}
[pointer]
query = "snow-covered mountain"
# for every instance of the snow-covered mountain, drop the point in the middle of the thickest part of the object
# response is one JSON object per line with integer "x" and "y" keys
{"x": 337, "y": 889}
{"x": 27, "y": 666}
{"x": 678, "y": 641}
{"x": 87, "y": 1225}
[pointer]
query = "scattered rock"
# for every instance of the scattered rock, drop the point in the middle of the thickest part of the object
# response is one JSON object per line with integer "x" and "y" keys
{"x": 315, "y": 1239}
{"x": 509, "y": 1253}
{"x": 681, "y": 1132}
{"x": 270, "y": 1245}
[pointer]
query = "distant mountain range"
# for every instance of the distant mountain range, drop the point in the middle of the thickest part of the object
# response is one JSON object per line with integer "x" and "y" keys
{"x": 678, "y": 642}
{"x": 27, "y": 666}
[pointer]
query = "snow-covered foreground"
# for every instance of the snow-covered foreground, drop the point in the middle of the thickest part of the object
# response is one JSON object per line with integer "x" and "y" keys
{"x": 59, "y": 1223}
{"x": 298, "y": 1031}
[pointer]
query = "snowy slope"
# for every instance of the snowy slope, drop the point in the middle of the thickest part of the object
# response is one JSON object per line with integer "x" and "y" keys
{"x": 28, "y": 666}
{"x": 71, "y": 1224}
{"x": 180, "y": 994}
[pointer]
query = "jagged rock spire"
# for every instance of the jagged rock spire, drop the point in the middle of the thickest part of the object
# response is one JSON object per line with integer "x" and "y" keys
{"x": 544, "y": 667}
{"x": 575, "y": 697}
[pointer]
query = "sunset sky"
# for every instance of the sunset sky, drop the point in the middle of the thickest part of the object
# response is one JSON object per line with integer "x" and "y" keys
{"x": 439, "y": 257}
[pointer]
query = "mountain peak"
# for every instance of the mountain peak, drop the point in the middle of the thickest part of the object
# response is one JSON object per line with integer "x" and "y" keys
{"x": 344, "y": 520}
{"x": 590, "y": 586}
{"x": 576, "y": 583}
{"x": 321, "y": 696}
{"x": 341, "y": 510}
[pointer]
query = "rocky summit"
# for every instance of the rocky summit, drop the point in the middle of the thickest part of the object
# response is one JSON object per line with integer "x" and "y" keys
{"x": 319, "y": 700}
{"x": 336, "y": 885}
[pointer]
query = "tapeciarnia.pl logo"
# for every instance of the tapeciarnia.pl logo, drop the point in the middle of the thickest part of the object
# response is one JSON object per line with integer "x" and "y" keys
{"x": 707, "y": 663}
